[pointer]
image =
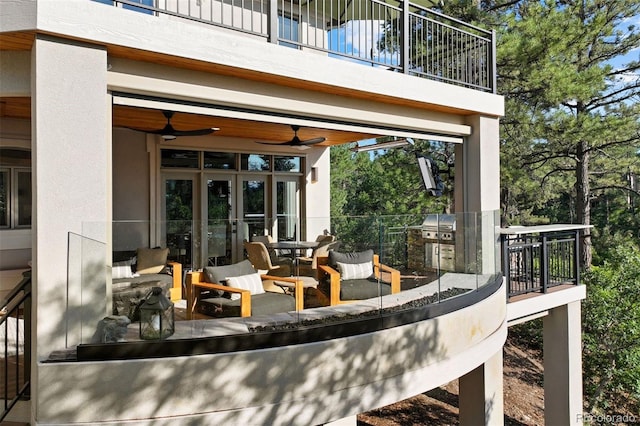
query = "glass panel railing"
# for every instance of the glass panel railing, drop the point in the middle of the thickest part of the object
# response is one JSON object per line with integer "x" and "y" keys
{"x": 419, "y": 260}
{"x": 88, "y": 291}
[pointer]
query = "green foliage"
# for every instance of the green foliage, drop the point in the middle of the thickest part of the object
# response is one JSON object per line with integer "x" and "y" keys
{"x": 571, "y": 132}
{"x": 611, "y": 321}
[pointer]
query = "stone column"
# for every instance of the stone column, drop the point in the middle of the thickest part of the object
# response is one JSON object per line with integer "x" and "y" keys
{"x": 481, "y": 394}
{"x": 563, "y": 365}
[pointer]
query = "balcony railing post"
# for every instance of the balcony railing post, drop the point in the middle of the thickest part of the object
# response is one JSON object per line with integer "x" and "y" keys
{"x": 576, "y": 256}
{"x": 506, "y": 262}
{"x": 272, "y": 22}
{"x": 406, "y": 38}
{"x": 492, "y": 62}
{"x": 544, "y": 262}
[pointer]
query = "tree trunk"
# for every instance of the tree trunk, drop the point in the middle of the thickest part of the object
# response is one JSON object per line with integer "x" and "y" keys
{"x": 583, "y": 202}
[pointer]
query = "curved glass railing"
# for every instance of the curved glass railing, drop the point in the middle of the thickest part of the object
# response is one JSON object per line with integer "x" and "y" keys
{"x": 427, "y": 261}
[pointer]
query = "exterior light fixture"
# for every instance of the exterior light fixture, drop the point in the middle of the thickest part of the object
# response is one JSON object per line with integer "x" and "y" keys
{"x": 157, "y": 320}
{"x": 384, "y": 145}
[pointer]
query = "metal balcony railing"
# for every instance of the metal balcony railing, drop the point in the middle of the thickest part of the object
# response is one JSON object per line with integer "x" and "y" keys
{"x": 15, "y": 331}
{"x": 540, "y": 257}
{"x": 402, "y": 36}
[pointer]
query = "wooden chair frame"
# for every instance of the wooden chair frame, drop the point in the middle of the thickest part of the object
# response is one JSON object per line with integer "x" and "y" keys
{"x": 334, "y": 296}
{"x": 195, "y": 283}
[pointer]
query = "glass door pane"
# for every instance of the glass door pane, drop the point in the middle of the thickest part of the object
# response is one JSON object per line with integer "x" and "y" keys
{"x": 4, "y": 198}
{"x": 178, "y": 215}
{"x": 23, "y": 199}
{"x": 253, "y": 207}
{"x": 219, "y": 246}
{"x": 287, "y": 208}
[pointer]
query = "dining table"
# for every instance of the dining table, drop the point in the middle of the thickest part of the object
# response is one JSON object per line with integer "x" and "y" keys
{"x": 294, "y": 248}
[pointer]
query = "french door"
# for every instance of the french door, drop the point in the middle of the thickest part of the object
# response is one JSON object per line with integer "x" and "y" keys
{"x": 207, "y": 216}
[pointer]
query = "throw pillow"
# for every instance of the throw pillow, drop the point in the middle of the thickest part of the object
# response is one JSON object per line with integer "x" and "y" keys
{"x": 219, "y": 274}
{"x": 121, "y": 270}
{"x": 251, "y": 282}
{"x": 355, "y": 271}
{"x": 151, "y": 261}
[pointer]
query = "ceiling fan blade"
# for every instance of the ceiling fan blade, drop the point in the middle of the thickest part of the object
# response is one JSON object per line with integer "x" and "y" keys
{"x": 312, "y": 141}
{"x": 169, "y": 132}
{"x": 271, "y": 143}
{"x": 296, "y": 141}
{"x": 196, "y": 132}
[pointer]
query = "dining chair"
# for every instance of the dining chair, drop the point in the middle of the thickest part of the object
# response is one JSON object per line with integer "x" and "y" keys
{"x": 308, "y": 266}
{"x": 276, "y": 256}
{"x": 259, "y": 256}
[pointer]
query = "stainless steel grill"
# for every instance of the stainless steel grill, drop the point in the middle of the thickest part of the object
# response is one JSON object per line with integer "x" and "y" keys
{"x": 439, "y": 233}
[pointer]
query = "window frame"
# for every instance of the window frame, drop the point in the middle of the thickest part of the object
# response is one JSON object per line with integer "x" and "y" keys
{"x": 12, "y": 211}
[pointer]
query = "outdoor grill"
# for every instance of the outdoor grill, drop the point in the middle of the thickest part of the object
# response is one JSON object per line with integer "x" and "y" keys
{"x": 439, "y": 234}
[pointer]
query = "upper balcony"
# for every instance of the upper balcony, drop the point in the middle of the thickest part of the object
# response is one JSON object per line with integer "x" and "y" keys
{"x": 399, "y": 36}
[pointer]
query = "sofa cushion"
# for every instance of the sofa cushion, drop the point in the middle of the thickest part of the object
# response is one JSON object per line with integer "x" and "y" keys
{"x": 151, "y": 261}
{"x": 128, "y": 294}
{"x": 261, "y": 304}
{"x": 363, "y": 289}
{"x": 219, "y": 274}
{"x": 251, "y": 282}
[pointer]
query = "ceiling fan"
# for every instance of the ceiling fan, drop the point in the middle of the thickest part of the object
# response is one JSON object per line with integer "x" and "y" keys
{"x": 168, "y": 132}
{"x": 296, "y": 141}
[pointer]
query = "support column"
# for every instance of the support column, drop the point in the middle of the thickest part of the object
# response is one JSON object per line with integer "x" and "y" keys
{"x": 481, "y": 394}
{"x": 563, "y": 365}
{"x": 477, "y": 194}
{"x": 71, "y": 151}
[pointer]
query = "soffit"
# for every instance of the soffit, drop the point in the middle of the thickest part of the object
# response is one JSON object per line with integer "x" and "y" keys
{"x": 146, "y": 118}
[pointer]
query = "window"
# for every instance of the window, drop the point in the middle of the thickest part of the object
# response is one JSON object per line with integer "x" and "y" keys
{"x": 131, "y": 7}
{"x": 288, "y": 29}
{"x": 182, "y": 159}
{"x": 15, "y": 188}
{"x": 219, "y": 160}
{"x": 255, "y": 162}
{"x": 287, "y": 164}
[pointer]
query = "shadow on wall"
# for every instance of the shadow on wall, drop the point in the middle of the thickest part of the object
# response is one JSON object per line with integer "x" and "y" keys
{"x": 291, "y": 385}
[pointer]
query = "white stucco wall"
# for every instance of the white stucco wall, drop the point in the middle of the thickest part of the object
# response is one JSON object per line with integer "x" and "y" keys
{"x": 293, "y": 385}
{"x": 71, "y": 130}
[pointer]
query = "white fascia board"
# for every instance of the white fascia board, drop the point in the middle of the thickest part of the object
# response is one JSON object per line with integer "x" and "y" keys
{"x": 18, "y": 15}
{"x": 416, "y": 127}
{"x": 92, "y": 21}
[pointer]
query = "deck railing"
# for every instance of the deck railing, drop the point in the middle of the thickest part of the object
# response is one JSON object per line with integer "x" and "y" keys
{"x": 540, "y": 257}
{"x": 400, "y": 36}
{"x": 15, "y": 324}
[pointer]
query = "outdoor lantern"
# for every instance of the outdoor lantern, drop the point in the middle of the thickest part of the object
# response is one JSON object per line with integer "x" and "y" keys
{"x": 156, "y": 316}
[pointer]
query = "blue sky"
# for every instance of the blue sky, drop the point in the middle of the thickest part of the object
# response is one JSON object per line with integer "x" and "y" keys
{"x": 634, "y": 54}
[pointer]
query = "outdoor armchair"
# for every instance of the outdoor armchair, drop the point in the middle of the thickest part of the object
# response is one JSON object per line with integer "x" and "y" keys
{"x": 211, "y": 292}
{"x": 347, "y": 277}
{"x": 260, "y": 258}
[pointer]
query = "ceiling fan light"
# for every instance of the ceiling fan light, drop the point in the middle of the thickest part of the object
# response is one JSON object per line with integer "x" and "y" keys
{"x": 168, "y": 137}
